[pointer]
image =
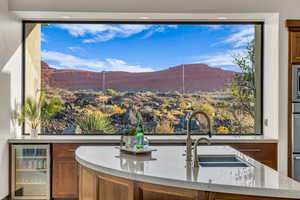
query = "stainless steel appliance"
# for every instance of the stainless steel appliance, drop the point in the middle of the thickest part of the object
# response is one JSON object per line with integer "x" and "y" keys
{"x": 296, "y": 123}
{"x": 296, "y": 84}
{"x": 30, "y": 172}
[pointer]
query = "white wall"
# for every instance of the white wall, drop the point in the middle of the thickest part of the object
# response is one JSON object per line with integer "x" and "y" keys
{"x": 10, "y": 79}
{"x": 10, "y": 35}
{"x": 286, "y": 9}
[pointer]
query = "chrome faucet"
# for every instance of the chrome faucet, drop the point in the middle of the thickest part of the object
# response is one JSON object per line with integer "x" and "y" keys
{"x": 196, "y": 161}
{"x": 189, "y": 139}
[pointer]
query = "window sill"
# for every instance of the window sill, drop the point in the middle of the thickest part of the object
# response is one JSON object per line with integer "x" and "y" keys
{"x": 163, "y": 139}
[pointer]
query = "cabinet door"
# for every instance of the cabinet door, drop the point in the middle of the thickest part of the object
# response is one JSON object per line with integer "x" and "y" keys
{"x": 295, "y": 47}
{"x": 88, "y": 184}
{"x": 223, "y": 196}
{"x": 145, "y": 191}
{"x": 65, "y": 179}
{"x": 114, "y": 188}
{"x": 65, "y": 172}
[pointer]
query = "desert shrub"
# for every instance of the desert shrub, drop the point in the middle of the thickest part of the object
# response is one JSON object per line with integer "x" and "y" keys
{"x": 164, "y": 127}
{"x": 51, "y": 107}
{"x": 177, "y": 112}
{"x": 171, "y": 117}
{"x": 89, "y": 108}
{"x": 222, "y": 130}
{"x": 184, "y": 105}
{"x": 95, "y": 122}
{"x": 111, "y": 92}
{"x": 207, "y": 108}
{"x": 157, "y": 113}
{"x": 118, "y": 110}
{"x": 226, "y": 115}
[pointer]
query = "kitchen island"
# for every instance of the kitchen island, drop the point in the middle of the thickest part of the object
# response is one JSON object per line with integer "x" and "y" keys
{"x": 105, "y": 173}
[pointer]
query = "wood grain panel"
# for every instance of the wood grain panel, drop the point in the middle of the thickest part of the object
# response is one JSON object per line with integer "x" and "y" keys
{"x": 64, "y": 171}
{"x": 295, "y": 47}
{"x": 146, "y": 191}
{"x": 61, "y": 151}
{"x": 293, "y": 23}
{"x": 65, "y": 179}
{"x": 88, "y": 185}
{"x": 115, "y": 188}
{"x": 224, "y": 196}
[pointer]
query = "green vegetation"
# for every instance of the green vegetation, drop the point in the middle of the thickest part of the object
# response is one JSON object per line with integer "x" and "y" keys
{"x": 30, "y": 113}
{"x": 205, "y": 107}
{"x": 111, "y": 92}
{"x": 164, "y": 127}
{"x": 95, "y": 123}
{"x": 50, "y": 108}
{"x": 36, "y": 112}
{"x": 114, "y": 111}
{"x": 243, "y": 89}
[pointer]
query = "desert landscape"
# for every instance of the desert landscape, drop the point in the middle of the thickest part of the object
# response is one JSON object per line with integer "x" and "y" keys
{"x": 115, "y": 101}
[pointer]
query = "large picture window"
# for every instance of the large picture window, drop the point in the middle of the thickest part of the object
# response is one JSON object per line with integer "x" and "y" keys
{"x": 102, "y": 78}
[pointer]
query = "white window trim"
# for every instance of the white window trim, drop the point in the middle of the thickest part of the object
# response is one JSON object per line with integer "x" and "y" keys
{"x": 271, "y": 45}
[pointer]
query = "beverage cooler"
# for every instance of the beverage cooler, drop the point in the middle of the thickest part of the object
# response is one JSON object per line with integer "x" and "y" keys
{"x": 30, "y": 172}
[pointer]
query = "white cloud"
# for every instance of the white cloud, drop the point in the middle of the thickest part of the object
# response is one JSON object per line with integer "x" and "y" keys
{"x": 105, "y": 32}
{"x": 76, "y": 49}
{"x": 240, "y": 38}
{"x": 43, "y": 37}
{"x": 158, "y": 29}
{"x": 66, "y": 61}
{"x": 214, "y": 27}
{"x": 222, "y": 60}
{"x": 83, "y": 29}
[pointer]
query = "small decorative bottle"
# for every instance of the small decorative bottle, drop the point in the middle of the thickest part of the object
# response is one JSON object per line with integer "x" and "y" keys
{"x": 139, "y": 134}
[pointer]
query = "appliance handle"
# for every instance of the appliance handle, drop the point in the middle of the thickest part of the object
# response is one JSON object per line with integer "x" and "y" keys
{"x": 297, "y": 158}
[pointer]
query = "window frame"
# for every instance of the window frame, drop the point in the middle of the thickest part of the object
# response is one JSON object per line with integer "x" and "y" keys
{"x": 171, "y": 22}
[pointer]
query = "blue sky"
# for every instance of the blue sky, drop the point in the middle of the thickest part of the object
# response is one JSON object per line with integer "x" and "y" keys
{"x": 140, "y": 47}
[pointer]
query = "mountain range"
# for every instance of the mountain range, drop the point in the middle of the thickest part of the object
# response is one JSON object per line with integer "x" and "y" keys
{"x": 197, "y": 77}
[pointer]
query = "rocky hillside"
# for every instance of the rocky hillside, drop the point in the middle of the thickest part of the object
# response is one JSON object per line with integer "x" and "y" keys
{"x": 197, "y": 77}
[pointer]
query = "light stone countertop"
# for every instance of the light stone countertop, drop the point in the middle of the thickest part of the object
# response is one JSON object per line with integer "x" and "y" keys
{"x": 167, "y": 166}
{"x": 113, "y": 139}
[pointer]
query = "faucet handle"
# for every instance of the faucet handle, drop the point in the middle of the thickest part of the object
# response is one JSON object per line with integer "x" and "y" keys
{"x": 209, "y": 134}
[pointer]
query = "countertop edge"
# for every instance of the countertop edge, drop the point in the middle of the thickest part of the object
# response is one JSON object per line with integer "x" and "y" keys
{"x": 191, "y": 185}
{"x": 154, "y": 140}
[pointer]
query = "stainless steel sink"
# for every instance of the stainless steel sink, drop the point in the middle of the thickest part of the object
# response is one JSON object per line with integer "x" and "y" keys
{"x": 222, "y": 161}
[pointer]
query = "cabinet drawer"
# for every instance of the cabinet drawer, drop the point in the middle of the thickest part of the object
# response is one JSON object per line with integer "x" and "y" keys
{"x": 295, "y": 47}
{"x": 265, "y": 153}
{"x": 64, "y": 150}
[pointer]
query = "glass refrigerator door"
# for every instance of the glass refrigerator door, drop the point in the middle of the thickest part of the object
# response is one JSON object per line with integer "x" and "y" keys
{"x": 30, "y": 172}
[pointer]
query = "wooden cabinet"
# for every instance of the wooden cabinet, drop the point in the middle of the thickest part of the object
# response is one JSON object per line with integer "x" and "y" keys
{"x": 224, "y": 196}
{"x": 99, "y": 186}
{"x": 146, "y": 191}
{"x": 265, "y": 153}
{"x": 115, "y": 188}
{"x": 64, "y": 172}
{"x": 295, "y": 47}
{"x": 88, "y": 184}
